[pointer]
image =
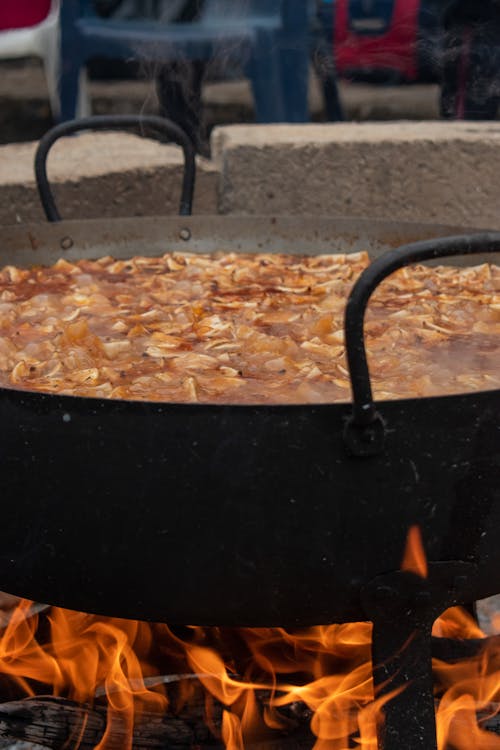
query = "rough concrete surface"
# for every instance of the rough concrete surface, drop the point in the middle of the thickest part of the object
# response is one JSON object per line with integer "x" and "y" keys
{"x": 102, "y": 174}
{"x": 432, "y": 171}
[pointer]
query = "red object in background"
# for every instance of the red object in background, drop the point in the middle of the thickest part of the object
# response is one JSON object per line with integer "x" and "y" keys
{"x": 395, "y": 49}
{"x": 18, "y": 14}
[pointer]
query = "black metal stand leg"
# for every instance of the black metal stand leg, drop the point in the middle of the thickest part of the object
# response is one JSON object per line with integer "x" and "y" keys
{"x": 402, "y": 661}
{"x": 403, "y": 607}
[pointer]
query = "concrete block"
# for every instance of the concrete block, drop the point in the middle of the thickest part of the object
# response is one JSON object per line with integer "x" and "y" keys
{"x": 102, "y": 174}
{"x": 431, "y": 171}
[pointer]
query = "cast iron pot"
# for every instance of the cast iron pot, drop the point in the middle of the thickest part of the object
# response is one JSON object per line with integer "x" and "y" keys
{"x": 244, "y": 515}
{"x": 241, "y": 515}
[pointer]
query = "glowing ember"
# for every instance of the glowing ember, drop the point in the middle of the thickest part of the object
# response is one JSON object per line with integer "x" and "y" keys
{"x": 264, "y": 677}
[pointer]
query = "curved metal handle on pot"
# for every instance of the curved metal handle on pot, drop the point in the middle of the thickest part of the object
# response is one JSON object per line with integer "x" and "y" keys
{"x": 364, "y": 432}
{"x": 157, "y": 126}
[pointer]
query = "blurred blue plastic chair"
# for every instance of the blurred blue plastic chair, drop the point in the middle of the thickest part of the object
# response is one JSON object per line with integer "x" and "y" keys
{"x": 269, "y": 39}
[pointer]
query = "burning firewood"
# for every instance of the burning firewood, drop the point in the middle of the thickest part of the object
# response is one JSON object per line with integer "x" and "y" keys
{"x": 61, "y": 724}
{"x": 222, "y": 676}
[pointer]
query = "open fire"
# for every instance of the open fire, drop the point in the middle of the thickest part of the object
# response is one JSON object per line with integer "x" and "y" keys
{"x": 239, "y": 687}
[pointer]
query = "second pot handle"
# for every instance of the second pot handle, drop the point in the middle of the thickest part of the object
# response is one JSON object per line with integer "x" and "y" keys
{"x": 155, "y": 126}
{"x": 364, "y": 432}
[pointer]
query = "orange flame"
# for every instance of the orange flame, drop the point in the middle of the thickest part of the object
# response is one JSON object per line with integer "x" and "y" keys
{"x": 469, "y": 686}
{"x": 231, "y": 731}
{"x": 457, "y": 623}
{"x": 414, "y": 558}
{"x": 261, "y": 676}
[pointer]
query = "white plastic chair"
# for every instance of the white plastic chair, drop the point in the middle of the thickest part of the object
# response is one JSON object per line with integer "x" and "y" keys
{"x": 40, "y": 41}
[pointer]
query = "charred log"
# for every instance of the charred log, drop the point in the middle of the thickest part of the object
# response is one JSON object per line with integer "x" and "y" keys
{"x": 52, "y": 722}
{"x": 57, "y": 723}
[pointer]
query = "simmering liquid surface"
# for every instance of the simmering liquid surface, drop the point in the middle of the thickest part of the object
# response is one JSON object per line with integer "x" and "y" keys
{"x": 232, "y": 328}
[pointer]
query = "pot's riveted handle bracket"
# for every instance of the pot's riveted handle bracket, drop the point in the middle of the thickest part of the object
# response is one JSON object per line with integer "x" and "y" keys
{"x": 364, "y": 439}
{"x": 145, "y": 125}
{"x": 364, "y": 432}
